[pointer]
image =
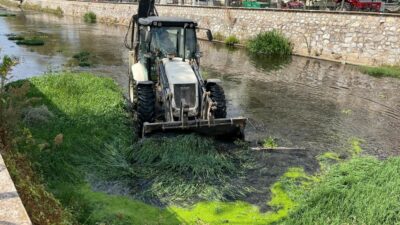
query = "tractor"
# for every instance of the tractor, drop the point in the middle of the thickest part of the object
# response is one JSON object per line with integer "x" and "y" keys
{"x": 166, "y": 88}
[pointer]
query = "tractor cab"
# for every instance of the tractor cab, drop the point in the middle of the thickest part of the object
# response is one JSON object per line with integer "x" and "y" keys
{"x": 167, "y": 37}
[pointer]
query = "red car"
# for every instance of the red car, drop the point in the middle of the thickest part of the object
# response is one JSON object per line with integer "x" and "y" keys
{"x": 359, "y": 5}
{"x": 294, "y": 4}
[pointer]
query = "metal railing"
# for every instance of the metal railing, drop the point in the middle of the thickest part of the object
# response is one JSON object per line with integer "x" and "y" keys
{"x": 388, "y": 6}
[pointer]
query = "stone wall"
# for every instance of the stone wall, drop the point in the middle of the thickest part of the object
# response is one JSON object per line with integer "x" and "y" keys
{"x": 360, "y": 38}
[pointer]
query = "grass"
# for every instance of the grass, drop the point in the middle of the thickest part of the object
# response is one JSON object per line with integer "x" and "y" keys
{"x": 83, "y": 107}
{"x": 42, "y": 206}
{"x": 382, "y": 71}
{"x": 271, "y": 43}
{"x": 89, "y": 17}
{"x": 88, "y": 134}
{"x": 84, "y": 132}
{"x": 83, "y": 59}
{"x": 9, "y": 3}
{"x": 99, "y": 208}
{"x": 27, "y": 6}
{"x": 218, "y": 36}
{"x": 231, "y": 40}
{"x": 58, "y": 11}
{"x": 363, "y": 190}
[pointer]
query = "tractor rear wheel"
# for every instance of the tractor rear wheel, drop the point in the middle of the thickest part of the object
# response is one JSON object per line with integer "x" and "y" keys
{"x": 217, "y": 95}
{"x": 145, "y": 107}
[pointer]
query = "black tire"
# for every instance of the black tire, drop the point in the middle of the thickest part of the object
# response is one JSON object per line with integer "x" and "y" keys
{"x": 145, "y": 107}
{"x": 217, "y": 95}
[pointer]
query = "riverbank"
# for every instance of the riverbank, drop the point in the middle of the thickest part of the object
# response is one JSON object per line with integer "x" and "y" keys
{"x": 77, "y": 137}
{"x": 369, "y": 39}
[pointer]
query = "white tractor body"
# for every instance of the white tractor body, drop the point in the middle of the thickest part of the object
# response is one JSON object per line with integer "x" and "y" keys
{"x": 183, "y": 84}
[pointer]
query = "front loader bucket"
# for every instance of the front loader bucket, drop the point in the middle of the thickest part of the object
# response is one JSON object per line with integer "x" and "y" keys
{"x": 229, "y": 128}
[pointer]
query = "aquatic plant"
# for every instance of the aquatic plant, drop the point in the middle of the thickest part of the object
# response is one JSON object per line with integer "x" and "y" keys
{"x": 382, "y": 71}
{"x": 35, "y": 41}
{"x": 7, "y": 15}
{"x": 355, "y": 146}
{"x": 270, "y": 43}
{"x": 83, "y": 58}
{"x": 89, "y": 17}
{"x": 270, "y": 142}
{"x": 231, "y": 40}
{"x": 15, "y": 38}
{"x": 187, "y": 167}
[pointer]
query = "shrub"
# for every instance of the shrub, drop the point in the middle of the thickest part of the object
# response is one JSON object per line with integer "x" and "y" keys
{"x": 90, "y": 17}
{"x": 37, "y": 115}
{"x": 218, "y": 36}
{"x": 270, "y": 43}
{"x": 231, "y": 40}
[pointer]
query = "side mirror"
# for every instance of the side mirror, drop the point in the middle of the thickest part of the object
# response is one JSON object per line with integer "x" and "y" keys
{"x": 209, "y": 35}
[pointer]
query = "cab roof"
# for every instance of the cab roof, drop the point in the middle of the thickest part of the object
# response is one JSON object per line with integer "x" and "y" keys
{"x": 166, "y": 21}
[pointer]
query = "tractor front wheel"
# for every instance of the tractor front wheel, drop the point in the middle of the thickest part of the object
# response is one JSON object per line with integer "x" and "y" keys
{"x": 145, "y": 107}
{"x": 217, "y": 95}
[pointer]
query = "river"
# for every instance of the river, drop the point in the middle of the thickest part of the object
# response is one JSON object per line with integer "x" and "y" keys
{"x": 302, "y": 102}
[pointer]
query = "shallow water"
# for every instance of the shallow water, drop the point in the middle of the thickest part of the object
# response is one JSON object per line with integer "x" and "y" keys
{"x": 308, "y": 103}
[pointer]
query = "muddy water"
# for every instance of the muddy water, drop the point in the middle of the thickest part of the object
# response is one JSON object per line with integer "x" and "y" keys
{"x": 302, "y": 102}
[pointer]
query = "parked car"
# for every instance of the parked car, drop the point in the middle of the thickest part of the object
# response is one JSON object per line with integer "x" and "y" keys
{"x": 359, "y": 5}
{"x": 292, "y": 4}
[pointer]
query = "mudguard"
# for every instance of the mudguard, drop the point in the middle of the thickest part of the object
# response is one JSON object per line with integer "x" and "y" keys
{"x": 139, "y": 72}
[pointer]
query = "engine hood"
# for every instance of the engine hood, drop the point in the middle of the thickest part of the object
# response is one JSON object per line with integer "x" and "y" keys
{"x": 179, "y": 72}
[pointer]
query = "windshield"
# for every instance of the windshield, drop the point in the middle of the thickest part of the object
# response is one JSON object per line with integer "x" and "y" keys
{"x": 169, "y": 40}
